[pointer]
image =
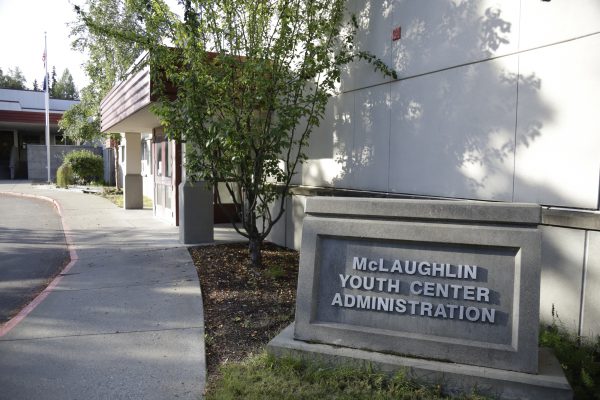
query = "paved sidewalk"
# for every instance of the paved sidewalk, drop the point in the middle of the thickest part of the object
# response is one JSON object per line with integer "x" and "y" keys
{"x": 125, "y": 322}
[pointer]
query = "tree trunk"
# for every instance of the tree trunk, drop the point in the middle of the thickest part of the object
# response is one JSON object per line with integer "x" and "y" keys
{"x": 254, "y": 249}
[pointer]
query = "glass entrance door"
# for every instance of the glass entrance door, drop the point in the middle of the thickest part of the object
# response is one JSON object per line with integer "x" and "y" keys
{"x": 165, "y": 185}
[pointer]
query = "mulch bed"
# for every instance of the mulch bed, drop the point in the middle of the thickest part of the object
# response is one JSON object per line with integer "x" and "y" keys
{"x": 244, "y": 306}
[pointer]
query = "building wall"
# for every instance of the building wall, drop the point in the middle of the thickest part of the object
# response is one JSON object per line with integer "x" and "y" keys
{"x": 570, "y": 284}
{"x": 496, "y": 100}
{"x": 147, "y": 173}
{"x": 146, "y": 165}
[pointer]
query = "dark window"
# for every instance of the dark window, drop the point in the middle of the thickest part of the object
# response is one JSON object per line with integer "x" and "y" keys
{"x": 159, "y": 163}
{"x": 167, "y": 160}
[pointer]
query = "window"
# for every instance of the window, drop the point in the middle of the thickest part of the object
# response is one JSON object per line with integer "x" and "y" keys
{"x": 167, "y": 160}
{"x": 146, "y": 158}
{"x": 159, "y": 159}
{"x": 149, "y": 143}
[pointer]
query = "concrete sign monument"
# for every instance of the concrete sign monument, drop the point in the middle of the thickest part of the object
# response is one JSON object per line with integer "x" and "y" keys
{"x": 455, "y": 284}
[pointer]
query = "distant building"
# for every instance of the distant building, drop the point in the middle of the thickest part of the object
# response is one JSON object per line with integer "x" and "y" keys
{"x": 22, "y": 122}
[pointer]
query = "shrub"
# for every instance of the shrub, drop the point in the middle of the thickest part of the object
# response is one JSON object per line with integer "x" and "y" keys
{"x": 64, "y": 175}
{"x": 87, "y": 166}
{"x": 579, "y": 358}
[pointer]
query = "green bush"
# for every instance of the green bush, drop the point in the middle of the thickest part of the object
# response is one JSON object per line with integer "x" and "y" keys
{"x": 87, "y": 166}
{"x": 64, "y": 175}
{"x": 579, "y": 358}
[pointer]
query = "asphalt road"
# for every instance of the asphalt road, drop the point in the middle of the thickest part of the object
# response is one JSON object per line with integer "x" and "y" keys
{"x": 32, "y": 250}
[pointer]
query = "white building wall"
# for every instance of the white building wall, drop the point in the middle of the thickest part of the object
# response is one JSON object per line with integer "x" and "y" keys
{"x": 147, "y": 173}
{"x": 557, "y": 160}
{"x": 451, "y": 136}
{"x": 563, "y": 252}
{"x": 497, "y": 100}
{"x": 121, "y": 164}
{"x": 590, "y": 312}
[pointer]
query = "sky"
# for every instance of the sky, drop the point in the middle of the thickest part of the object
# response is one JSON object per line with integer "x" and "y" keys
{"x": 22, "y": 27}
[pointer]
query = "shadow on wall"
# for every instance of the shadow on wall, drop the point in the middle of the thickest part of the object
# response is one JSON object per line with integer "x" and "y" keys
{"x": 454, "y": 132}
{"x": 562, "y": 261}
{"x": 564, "y": 298}
{"x": 448, "y": 133}
{"x": 452, "y": 33}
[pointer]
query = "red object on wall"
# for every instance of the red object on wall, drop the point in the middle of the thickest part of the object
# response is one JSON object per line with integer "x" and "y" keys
{"x": 397, "y": 33}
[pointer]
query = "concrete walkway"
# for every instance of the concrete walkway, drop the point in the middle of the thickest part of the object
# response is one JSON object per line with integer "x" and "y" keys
{"x": 125, "y": 321}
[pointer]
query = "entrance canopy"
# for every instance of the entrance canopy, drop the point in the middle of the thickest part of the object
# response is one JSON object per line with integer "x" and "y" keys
{"x": 126, "y": 108}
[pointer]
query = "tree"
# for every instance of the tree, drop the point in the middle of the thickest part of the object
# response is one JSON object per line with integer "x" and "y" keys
{"x": 253, "y": 78}
{"x": 79, "y": 124}
{"x": 65, "y": 88}
{"x": 14, "y": 79}
{"x": 109, "y": 60}
{"x": 36, "y": 86}
{"x": 52, "y": 82}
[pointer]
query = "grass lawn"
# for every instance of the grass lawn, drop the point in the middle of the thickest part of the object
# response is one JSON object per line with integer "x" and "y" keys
{"x": 263, "y": 377}
{"x": 116, "y": 196}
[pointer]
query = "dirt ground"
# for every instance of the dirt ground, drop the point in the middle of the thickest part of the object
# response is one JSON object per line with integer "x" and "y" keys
{"x": 244, "y": 306}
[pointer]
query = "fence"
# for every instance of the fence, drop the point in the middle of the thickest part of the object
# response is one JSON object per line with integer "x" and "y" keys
{"x": 37, "y": 164}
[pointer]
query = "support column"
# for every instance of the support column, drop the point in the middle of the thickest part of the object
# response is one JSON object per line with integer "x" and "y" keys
{"x": 196, "y": 210}
{"x": 133, "y": 197}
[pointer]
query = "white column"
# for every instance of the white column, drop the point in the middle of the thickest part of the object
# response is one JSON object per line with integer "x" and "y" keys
{"x": 133, "y": 197}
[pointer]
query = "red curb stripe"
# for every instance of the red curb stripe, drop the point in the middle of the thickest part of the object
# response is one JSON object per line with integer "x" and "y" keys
{"x": 14, "y": 321}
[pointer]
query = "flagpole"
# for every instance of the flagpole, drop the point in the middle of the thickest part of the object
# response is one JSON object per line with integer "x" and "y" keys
{"x": 47, "y": 101}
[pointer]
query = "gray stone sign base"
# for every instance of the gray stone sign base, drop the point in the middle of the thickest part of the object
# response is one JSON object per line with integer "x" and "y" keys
{"x": 549, "y": 384}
